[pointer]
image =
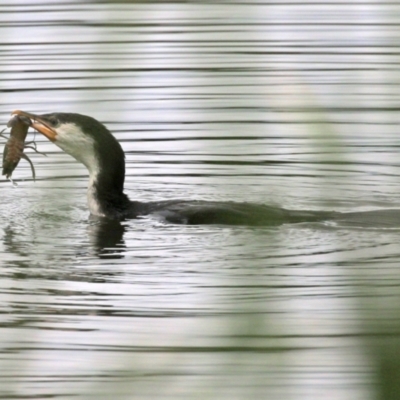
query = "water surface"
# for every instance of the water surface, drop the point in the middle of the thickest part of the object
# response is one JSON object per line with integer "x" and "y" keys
{"x": 294, "y": 105}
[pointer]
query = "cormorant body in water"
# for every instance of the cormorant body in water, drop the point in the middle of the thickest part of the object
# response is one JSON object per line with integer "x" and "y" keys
{"x": 92, "y": 144}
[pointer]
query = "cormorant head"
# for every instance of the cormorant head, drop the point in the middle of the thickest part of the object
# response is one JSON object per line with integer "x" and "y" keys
{"x": 88, "y": 141}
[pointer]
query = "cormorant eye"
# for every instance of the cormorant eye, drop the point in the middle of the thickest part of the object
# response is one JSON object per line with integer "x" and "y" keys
{"x": 52, "y": 121}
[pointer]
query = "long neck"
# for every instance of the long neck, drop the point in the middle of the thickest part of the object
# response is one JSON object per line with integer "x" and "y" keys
{"x": 106, "y": 186}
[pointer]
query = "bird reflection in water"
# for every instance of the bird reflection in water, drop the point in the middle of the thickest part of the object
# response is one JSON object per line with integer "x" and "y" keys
{"x": 107, "y": 237}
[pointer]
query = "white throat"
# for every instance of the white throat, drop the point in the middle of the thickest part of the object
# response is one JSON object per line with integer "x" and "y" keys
{"x": 80, "y": 146}
{"x": 73, "y": 141}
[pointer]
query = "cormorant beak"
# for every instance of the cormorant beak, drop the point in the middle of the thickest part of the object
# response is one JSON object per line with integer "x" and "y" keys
{"x": 39, "y": 124}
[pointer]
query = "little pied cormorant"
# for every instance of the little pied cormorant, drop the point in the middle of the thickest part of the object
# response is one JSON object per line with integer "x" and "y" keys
{"x": 92, "y": 144}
